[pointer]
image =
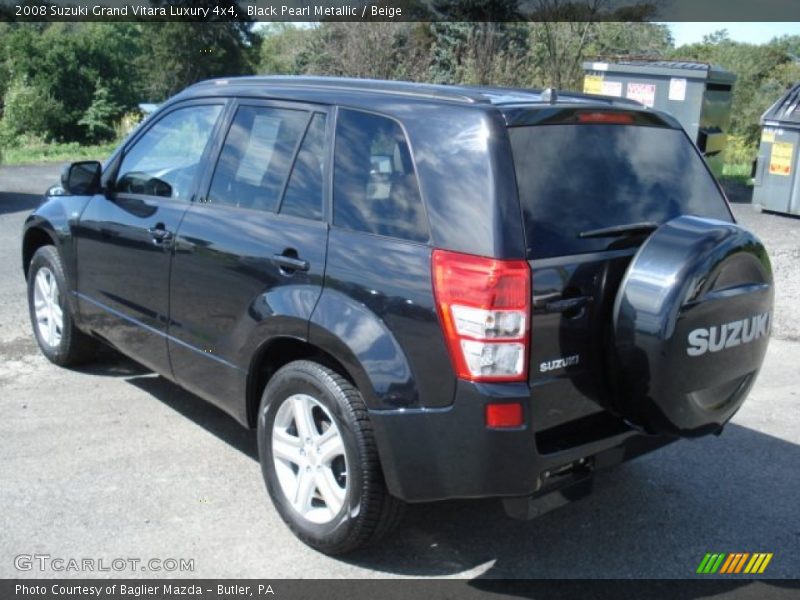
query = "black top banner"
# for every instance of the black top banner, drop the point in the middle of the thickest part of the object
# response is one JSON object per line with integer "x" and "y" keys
{"x": 400, "y": 10}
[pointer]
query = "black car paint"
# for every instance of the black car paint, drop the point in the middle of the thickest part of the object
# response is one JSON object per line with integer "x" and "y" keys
{"x": 53, "y": 222}
{"x": 366, "y": 301}
{"x": 123, "y": 282}
{"x": 378, "y": 302}
{"x": 124, "y": 244}
{"x": 430, "y": 454}
{"x": 722, "y": 275}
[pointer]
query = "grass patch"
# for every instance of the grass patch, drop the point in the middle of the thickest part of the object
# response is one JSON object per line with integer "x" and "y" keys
{"x": 41, "y": 152}
{"x": 739, "y": 173}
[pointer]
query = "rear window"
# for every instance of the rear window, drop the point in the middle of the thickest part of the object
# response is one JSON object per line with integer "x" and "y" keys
{"x": 575, "y": 178}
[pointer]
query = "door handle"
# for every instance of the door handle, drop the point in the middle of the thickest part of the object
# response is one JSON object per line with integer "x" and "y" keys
{"x": 289, "y": 264}
{"x": 567, "y": 304}
{"x": 160, "y": 234}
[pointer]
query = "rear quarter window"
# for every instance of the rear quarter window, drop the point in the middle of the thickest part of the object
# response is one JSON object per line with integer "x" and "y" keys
{"x": 579, "y": 177}
{"x": 375, "y": 187}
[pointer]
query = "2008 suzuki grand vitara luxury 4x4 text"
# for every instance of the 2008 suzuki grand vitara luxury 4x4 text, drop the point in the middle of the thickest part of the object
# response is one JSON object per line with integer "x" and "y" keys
{"x": 413, "y": 292}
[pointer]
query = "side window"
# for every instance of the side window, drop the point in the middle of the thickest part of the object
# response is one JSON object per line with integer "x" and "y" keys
{"x": 303, "y": 197}
{"x": 256, "y": 157}
{"x": 165, "y": 160}
{"x": 375, "y": 188}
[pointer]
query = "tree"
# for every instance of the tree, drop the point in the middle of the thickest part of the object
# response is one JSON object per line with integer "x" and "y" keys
{"x": 763, "y": 73}
{"x": 612, "y": 39}
{"x": 99, "y": 118}
{"x": 564, "y": 48}
{"x": 280, "y": 47}
{"x": 72, "y": 81}
{"x": 66, "y": 62}
{"x": 716, "y": 37}
{"x": 380, "y": 50}
{"x": 27, "y": 113}
{"x": 177, "y": 54}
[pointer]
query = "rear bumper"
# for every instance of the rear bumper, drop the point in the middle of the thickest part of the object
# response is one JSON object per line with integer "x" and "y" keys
{"x": 438, "y": 454}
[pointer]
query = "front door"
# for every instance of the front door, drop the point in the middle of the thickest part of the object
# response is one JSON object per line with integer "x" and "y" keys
{"x": 125, "y": 237}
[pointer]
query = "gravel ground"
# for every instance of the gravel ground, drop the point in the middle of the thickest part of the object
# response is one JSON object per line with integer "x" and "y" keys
{"x": 781, "y": 236}
{"x": 112, "y": 461}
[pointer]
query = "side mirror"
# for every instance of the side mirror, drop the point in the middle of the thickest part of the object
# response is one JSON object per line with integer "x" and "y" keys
{"x": 82, "y": 178}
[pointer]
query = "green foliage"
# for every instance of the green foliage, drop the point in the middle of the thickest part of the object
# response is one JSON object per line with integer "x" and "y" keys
{"x": 764, "y": 72}
{"x": 5, "y": 75}
{"x": 177, "y": 54}
{"x": 82, "y": 77}
{"x": 27, "y": 112}
{"x": 281, "y": 46}
{"x": 64, "y": 63}
{"x": 30, "y": 150}
{"x": 100, "y": 116}
{"x": 739, "y": 151}
{"x": 477, "y": 52}
{"x": 736, "y": 180}
{"x": 81, "y": 82}
{"x": 470, "y": 49}
{"x": 372, "y": 50}
{"x": 614, "y": 39}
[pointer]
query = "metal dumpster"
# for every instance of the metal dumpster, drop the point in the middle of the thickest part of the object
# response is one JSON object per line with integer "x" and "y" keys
{"x": 697, "y": 94}
{"x": 776, "y": 184}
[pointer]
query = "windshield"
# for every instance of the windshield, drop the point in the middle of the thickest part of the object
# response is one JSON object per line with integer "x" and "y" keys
{"x": 575, "y": 178}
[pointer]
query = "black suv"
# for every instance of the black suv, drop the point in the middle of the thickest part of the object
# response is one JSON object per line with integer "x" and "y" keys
{"x": 413, "y": 292}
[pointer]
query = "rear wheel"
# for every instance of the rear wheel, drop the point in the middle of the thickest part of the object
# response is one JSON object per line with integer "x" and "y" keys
{"x": 320, "y": 462}
{"x": 53, "y": 326}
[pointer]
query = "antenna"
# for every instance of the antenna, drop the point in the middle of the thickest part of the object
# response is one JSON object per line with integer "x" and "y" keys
{"x": 550, "y": 95}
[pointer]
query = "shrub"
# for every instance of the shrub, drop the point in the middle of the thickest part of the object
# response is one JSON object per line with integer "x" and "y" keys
{"x": 739, "y": 152}
{"x": 27, "y": 111}
{"x": 99, "y": 117}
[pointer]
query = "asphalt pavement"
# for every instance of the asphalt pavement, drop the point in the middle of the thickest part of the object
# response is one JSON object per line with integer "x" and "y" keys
{"x": 111, "y": 461}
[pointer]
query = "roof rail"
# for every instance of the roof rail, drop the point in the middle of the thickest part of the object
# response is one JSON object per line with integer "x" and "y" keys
{"x": 423, "y": 90}
{"x": 466, "y": 94}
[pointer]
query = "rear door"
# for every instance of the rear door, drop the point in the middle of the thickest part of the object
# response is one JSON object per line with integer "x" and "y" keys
{"x": 581, "y": 172}
{"x": 250, "y": 253}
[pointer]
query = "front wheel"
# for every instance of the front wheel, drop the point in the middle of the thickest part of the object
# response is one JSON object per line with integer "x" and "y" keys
{"x": 320, "y": 462}
{"x": 58, "y": 338}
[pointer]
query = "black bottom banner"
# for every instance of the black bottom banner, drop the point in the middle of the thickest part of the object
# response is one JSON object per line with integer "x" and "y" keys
{"x": 395, "y": 589}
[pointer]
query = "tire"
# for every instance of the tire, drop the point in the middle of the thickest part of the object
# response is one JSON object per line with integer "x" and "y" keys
{"x": 691, "y": 326}
{"x": 367, "y": 511}
{"x": 62, "y": 344}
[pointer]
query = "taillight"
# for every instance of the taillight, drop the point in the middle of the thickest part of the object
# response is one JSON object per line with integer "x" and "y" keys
{"x": 484, "y": 307}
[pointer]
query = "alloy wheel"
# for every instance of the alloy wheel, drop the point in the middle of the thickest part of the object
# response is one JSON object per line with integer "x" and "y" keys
{"x": 47, "y": 307}
{"x": 309, "y": 456}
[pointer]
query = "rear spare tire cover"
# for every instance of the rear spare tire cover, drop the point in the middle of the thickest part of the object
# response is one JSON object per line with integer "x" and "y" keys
{"x": 691, "y": 324}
